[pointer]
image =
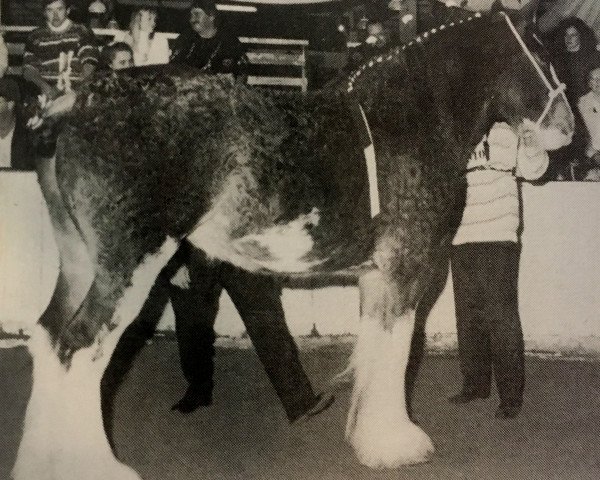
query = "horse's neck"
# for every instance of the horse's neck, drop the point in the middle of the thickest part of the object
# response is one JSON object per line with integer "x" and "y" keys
{"x": 464, "y": 102}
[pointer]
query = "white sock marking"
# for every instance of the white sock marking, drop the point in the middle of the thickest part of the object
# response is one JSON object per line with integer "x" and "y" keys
{"x": 63, "y": 436}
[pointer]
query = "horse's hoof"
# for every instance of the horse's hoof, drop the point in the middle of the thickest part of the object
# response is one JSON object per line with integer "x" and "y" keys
{"x": 407, "y": 445}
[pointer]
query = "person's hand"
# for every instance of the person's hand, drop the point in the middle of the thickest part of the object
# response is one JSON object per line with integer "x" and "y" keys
{"x": 60, "y": 104}
{"x": 50, "y": 91}
{"x": 35, "y": 118}
{"x": 527, "y": 135}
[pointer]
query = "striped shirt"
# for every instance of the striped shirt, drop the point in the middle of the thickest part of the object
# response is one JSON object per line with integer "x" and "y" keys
{"x": 492, "y": 209}
{"x": 59, "y": 55}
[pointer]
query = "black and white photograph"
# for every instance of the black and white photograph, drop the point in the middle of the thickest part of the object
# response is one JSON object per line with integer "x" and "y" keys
{"x": 299, "y": 239}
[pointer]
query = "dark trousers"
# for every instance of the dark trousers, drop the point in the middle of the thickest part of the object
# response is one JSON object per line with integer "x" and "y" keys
{"x": 258, "y": 301}
{"x": 485, "y": 277}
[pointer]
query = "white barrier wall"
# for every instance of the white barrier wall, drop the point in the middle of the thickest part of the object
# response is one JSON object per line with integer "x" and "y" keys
{"x": 28, "y": 255}
{"x": 559, "y": 279}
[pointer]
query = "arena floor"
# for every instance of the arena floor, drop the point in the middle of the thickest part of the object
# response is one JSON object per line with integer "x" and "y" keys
{"x": 244, "y": 435}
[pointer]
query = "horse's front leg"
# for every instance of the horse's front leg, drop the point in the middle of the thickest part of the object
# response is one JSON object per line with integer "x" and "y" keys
{"x": 378, "y": 427}
{"x": 63, "y": 436}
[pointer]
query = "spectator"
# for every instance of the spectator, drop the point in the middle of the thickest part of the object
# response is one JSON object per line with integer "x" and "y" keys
{"x": 117, "y": 56}
{"x": 205, "y": 46}
{"x": 100, "y": 14}
{"x": 149, "y": 47}
{"x": 589, "y": 108}
{"x": 557, "y": 10}
{"x": 15, "y": 150}
{"x": 61, "y": 53}
{"x": 574, "y": 51}
{"x": 485, "y": 268}
{"x": 377, "y": 37}
{"x": 376, "y": 41}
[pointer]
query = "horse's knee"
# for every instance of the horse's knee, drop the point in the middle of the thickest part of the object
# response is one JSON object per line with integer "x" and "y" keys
{"x": 381, "y": 298}
{"x": 388, "y": 253}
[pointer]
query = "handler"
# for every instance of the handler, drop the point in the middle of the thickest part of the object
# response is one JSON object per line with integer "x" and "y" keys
{"x": 195, "y": 292}
{"x": 485, "y": 267}
{"x": 196, "y": 289}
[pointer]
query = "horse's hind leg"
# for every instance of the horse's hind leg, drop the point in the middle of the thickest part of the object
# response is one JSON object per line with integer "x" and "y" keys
{"x": 63, "y": 437}
{"x": 76, "y": 271}
{"x": 378, "y": 427}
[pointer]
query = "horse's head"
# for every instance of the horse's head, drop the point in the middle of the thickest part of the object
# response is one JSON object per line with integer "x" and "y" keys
{"x": 528, "y": 93}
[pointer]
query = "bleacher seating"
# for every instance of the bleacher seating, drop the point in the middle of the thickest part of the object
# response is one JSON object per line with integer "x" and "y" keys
{"x": 274, "y": 62}
{"x": 277, "y": 62}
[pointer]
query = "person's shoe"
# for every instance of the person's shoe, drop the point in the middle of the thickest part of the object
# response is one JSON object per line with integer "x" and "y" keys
{"x": 194, "y": 398}
{"x": 468, "y": 396}
{"x": 324, "y": 401}
{"x": 508, "y": 411}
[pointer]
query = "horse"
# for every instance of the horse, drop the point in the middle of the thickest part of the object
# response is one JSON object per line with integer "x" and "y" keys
{"x": 271, "y": 182}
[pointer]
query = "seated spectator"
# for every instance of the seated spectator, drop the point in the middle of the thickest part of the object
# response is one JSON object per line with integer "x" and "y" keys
{"x": 15, "y": 150}
{"x": 377, "y": 41}
{"x": 149, "y": 47}
{"x": 589, "y": 108}
{"x": 100, "y": 14}
{"x": 205, "y": 46}
{"x": 117, "y": 56}
{"x": 551, "y": 12}
{"x": 377, "y": 37}
{"x": 574, "y": 50}
{"x": 61, "y": 53}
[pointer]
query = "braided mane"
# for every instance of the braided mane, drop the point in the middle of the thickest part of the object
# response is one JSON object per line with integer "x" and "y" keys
{"x": 395, "y": 52}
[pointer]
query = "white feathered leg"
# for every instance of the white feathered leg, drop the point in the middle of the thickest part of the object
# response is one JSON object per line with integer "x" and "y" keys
{"x": 63, "y": 437}
{"x": 378, "y": 427}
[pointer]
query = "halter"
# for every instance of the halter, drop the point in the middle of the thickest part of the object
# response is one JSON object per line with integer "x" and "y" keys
{"x": 553, "y": 92}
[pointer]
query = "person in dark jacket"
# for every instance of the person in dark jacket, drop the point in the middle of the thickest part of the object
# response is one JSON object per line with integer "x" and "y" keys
{"x": 573, "y": 53}
{"x": 203, "y": 45}
{"x": 16, "y": 151}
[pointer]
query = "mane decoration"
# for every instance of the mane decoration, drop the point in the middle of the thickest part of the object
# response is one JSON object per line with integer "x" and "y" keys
{"x": 395, "y": 52}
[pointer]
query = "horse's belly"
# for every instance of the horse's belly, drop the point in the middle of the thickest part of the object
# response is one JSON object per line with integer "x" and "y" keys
{"x": 298, "y": 246}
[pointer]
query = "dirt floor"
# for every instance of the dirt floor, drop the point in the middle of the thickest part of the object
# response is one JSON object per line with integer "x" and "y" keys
{"x": 244, "y": 434}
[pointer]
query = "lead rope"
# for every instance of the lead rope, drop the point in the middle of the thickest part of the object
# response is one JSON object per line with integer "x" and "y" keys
{"x": 552, "y": 92}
